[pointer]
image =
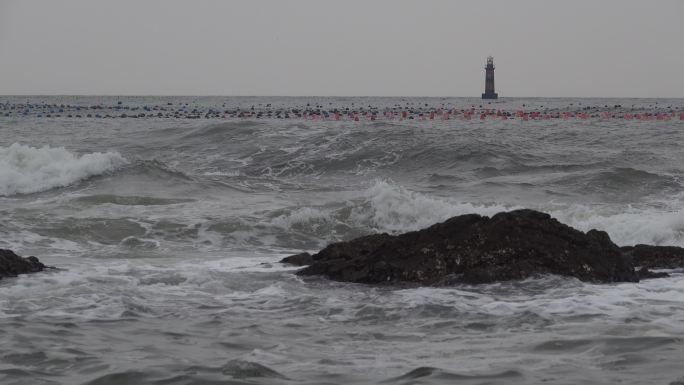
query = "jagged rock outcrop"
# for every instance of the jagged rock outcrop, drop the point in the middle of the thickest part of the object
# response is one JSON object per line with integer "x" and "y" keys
{"x": 477, "y": 249}
{"x": 12, "y": 265}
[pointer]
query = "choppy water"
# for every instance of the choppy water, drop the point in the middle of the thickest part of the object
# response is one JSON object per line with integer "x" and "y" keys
{"x": 167, "y": 233}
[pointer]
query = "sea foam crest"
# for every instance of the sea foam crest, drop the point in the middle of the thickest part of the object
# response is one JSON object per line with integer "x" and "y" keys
{"x": 393, "y": 208}
{"x": 631, "y": 226}
{"x": 25, "y": 169}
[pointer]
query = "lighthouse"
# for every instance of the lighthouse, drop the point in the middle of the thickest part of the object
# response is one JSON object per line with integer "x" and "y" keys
{"x": 489, "y": 80}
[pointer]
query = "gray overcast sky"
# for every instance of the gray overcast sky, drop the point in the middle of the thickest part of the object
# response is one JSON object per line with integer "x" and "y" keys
{"x": 343, "y": 47}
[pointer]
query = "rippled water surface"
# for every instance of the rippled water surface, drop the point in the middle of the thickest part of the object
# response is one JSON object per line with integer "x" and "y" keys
{"x": 166, "y": 234}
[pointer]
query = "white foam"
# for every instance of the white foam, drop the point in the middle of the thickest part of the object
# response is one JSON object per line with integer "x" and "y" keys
{"x": 303, "y": 216}
{"x": 105, "y": 289}
{"x": 393, "y": 208}
{"x": 396, "y": 209}
{"x": 561, "y": 297}
{"x": 25, "y": 169}
{"x": 629, "y": 227}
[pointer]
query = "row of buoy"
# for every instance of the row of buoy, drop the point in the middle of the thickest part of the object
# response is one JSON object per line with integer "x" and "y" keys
{"x": 319, "y": 112}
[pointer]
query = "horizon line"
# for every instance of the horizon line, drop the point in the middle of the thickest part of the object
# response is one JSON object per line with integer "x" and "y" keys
{"x": 340, "y": 96}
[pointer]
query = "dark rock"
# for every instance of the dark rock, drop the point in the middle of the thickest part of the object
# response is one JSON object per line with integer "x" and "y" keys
{"x": 645, "y": 273}
{"x": 301, "y": 259}
{"x": 240, "y": 369}
{"x": 655, "y": 257}
{"x": 12, "y": 265}
{"x": 476, "y": 249}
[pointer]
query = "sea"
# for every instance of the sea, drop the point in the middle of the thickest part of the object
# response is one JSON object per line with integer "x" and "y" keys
{"x": 165, "y": 218}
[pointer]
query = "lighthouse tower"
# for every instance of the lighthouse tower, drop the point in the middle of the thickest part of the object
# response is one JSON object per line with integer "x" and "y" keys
{"x": 489, "y": 80}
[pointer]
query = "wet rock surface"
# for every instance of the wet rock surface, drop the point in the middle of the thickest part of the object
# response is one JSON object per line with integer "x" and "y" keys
{"x": 12, "y": 265}
{"x": 655, "y": 257}
{"x": 301, "y": 259}
{"x": 478, "y": 249}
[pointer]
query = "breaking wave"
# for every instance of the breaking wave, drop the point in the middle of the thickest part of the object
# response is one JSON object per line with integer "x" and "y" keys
{"x": 392, "y": 208}
{"x": 25, "y": 169}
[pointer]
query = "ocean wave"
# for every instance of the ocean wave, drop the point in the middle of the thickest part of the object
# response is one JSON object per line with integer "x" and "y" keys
{"x": 623, "y": 179}
{"x": 383, "y": 207}
{"x": 129, "y": 200}
{"x": 223, "y": 130}
{"x": 25, "y": 169}
{"x": 393, "y": 208}
{"x": 630, "y": 226}
{"x": 156, "y": 169}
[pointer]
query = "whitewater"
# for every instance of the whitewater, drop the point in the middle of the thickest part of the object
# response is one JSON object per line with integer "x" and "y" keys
{"x": 166, "y": 234}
